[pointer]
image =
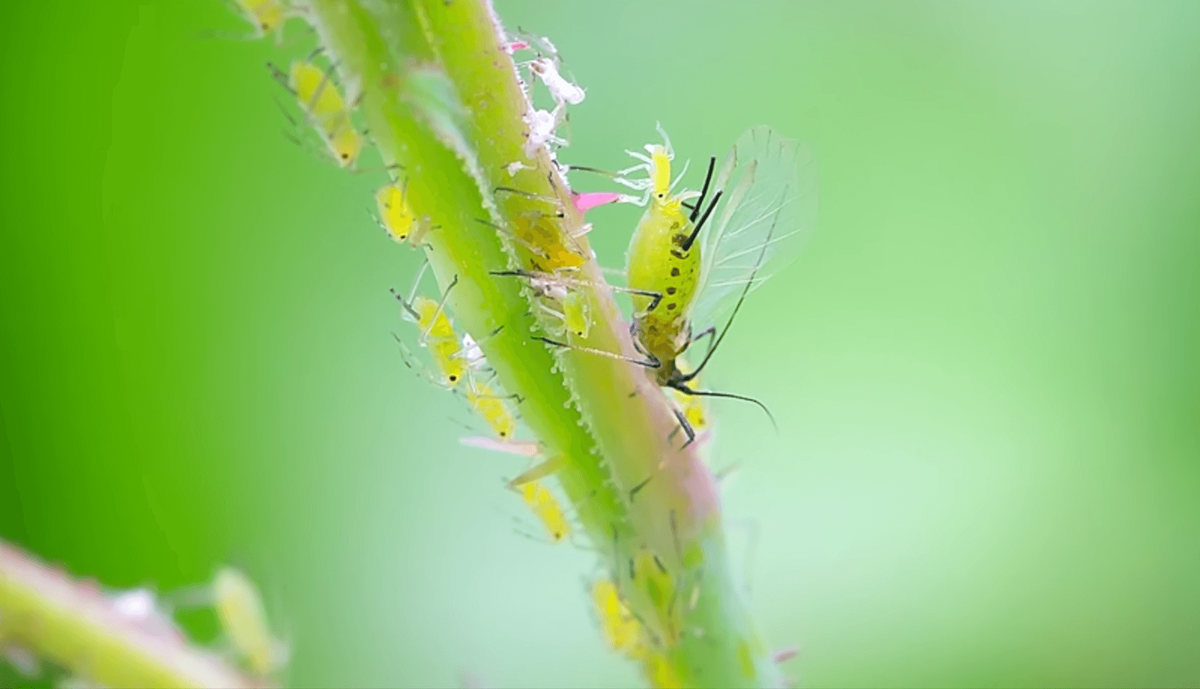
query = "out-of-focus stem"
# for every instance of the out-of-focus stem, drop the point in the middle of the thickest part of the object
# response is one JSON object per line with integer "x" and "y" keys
{"x": 72, "y": 624}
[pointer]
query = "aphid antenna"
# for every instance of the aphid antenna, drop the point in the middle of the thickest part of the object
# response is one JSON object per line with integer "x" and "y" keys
{"x": 528, "y": 245}
{"x": 679, "y": 177}
{"x": 648, "y": 363}
{"x": 530, "y": 195}
{"x": 655, "y": 297}
{"x": 281, "y": 78}
{"x": 683, "y": 387}
{"x": 412, "y": 293}
{"x": 666, "y": 139}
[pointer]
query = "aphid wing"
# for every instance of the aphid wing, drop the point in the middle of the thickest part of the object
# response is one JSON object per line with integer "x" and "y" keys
{"x": 760, "y": 229}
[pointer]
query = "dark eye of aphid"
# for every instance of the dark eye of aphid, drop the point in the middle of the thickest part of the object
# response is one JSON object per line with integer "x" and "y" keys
{"x": 453, "y": 378}
{"x": 345, "y": 156}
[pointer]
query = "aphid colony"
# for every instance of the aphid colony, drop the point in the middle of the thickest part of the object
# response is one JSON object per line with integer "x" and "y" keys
{"x": 693, "y": 258}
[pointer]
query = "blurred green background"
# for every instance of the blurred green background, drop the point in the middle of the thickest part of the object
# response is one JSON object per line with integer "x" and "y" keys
{"x": 984, "y": 362}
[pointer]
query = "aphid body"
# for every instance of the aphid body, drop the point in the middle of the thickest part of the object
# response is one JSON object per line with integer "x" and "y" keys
{"x": 265, "y": 15}
{"x": 244, "y": 621}
{"x": 620, "y": 628}
{"x": 397, "y": 216}
{"x": 491, "y": 406}
{"x": 326, "y": 110}
{"x": 663, "y": 258}
{"x": 547, "y": 509}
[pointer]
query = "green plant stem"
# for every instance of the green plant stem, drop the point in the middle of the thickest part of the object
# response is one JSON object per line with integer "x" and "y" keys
{"x": 443, "y": 101}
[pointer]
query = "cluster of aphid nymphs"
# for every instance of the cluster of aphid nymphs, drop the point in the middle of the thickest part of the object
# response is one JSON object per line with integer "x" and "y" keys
{"x": 644, "y": 583}
{"x": 322, "y": 111}
{"x": 459, "y": 366}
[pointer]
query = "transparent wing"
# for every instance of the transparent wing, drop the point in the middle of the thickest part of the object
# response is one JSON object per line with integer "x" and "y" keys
{"x": 769, "y": 206}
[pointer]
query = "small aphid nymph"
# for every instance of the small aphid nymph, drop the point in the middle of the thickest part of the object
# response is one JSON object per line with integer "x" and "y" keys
{"x": 547, "y": 509}
{"x": 244, "y": 620}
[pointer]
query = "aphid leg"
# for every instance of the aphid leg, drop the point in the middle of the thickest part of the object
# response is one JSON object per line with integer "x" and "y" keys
{"x": 406, "y": 305}
{"x": 683, "y": 387}
{"x": 685, "y": 425}
{"x": 708, "y": 332}
{"x": 442, "y": 303}
{"x": 648, "y": 363}
{"x": 281, "y": 78}
{"x": 412, "y": 293}
{"x": 526, "y": 244}
{"x": 683, "y": 380}
{"x": 416, "y": 367}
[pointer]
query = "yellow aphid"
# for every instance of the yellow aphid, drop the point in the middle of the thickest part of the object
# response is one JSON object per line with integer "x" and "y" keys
{"x": 484, "y": 399}
{"x": 244, "y": 620}
{"x": 397, "y": 217}
{"x": 620, "y": 628}
{"x": 265, "y": 15}
{"x": 538, "y": 234}
{"x": 660, "y": 673}
{"x": 576, "y": 312}
{"x": 664, "y": 259}
{"x": 432, "y": 319}
{"x": 325, "y": 109}
{"x": 547, "y": 509}
{"x": 652, "y": 577}
{"x": 447, "y": 356}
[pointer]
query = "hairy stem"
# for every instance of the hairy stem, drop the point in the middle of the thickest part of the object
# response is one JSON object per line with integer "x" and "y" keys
{"x": 444, "y": 103}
